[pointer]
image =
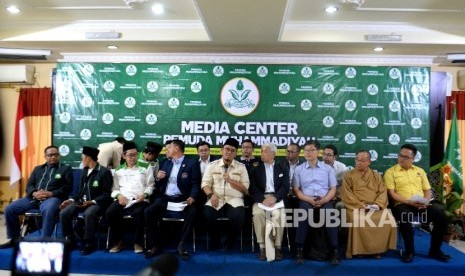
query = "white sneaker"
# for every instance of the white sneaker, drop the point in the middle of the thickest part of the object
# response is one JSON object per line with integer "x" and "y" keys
{"x": 138, "y": 248}
{"x": 117, "y": 247}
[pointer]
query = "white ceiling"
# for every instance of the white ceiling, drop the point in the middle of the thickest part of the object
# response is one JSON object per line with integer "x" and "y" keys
{"x": 292, "y": 30}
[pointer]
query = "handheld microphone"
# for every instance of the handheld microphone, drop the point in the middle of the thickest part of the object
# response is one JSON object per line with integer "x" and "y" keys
{"x": 226, "y": 166}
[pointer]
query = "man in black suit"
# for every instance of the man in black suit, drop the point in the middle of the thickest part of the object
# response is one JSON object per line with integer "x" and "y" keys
{"x": 203, "y": 150}
{"x": 291, "y": 161}
{"x": 92, "y": 198}
{"x": 247, "y": 158}
{"x": 178, "y": 181}
{"x": 269, "y": 184}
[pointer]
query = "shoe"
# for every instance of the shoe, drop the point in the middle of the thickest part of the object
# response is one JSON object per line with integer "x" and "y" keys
{"x": 71, "y": 242}
{"x": 299, "y": 256}
{"x": 8, "y": 244}
{"x": 117, "y": 247}
{"x": 278, "y": 255}
{"x": 229, "y": 245}
{"x": 153, "y": 252}
{"x": 335, "y": 258}
{"x": 440, "y": 256}
{"x": 138, "y": 248}
{"x": 262, "y": 254}
{"x": 87, "y": 249}
{"x": 407, "y": 258}
{"x": 182, "y": 252}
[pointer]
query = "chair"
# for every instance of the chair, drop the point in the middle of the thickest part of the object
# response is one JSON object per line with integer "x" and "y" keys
{"x": 37, "y": 216}
{"x": 287, "y": 238}
{"x": 223, "y": 219}
{"x": 171, "y": 216}
{"x": 80, "y": 216}
{"x": 125, "y": 217}
{"x": 417, "y": 227}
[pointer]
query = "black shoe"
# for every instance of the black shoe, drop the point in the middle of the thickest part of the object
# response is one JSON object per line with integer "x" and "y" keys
{"x": 335, "y": 258}
{"x": 299, "y": 256}
{"x": 71, "y": 242}
{"x": 153, "y": 252}
{"x": 8, "y": 244}
{"x": 182, "y": 252}
{"x": 407, "y": 258}
{"x": 440, "y": 256}
{"x": 229, "y": 244}
{"x": 278, "y": 255}
{"x": 262, "y": 254}
{"x": 87, "y": 249}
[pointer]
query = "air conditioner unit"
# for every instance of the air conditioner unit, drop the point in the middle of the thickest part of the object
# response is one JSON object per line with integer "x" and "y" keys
{"x": 17, "y": 74}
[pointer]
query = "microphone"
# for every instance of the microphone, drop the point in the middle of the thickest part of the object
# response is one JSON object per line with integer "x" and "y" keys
{"x": 165, "y": 265}
{"x": 226, "y": 166}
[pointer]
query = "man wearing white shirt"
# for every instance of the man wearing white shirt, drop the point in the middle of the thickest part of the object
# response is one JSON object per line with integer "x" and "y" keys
{"x": 203, "y": 150}
{"x": 329, "y": 157}
{"x": 132, "y": 186}
{"x": 269, "y": 184}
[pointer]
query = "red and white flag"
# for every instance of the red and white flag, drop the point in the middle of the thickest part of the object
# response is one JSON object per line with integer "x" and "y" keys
{"x": 20, "y": 142}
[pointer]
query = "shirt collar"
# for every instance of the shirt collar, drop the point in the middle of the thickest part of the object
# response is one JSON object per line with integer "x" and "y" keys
{"x": 178, "y": 161}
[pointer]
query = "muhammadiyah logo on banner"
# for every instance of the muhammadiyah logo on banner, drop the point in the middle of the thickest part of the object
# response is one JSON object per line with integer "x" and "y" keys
{"x": 240, "y": 97}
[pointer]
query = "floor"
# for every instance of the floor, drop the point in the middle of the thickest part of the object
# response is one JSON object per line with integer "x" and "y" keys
{"x": 458, "y": 244}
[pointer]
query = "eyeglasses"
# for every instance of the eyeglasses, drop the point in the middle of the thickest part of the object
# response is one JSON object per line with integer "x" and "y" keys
{"x": 404, "y": 157}
{"x": 131, "y": 155}
{"x": 293, "y": 152}
{"x": 328, "y": 154}
{"x": 52, "y": 154}
{"x": 311, "y": 150}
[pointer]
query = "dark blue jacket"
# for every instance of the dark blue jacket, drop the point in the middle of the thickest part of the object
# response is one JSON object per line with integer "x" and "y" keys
{"x": 57, "y": 179}
{"x": 188, "y": 179}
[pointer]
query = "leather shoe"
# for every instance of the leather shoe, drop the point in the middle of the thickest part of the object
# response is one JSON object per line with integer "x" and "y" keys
{"x": 117, "y": 248}
{"x": 182, "y": 252}
{"x": 87, "y": 249}
{"x": 335, "y": 258}
{"x": 7, "y": 244}
{"x": 278, "y": 254}
{"x": 262, "y": 254}
{"x": 440, "y": 256}
{"x": 300, "y": 256}
{"x": 153, "y": 252}
{"x": 407, "y": 258}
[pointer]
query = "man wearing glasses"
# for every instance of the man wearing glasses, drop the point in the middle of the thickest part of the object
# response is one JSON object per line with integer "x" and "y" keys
{"x": 48, "y": 186}
{"x": 409, "y": 187}
{"x": 292, "y": 160}
{"x": 314, "y": 184}
{"x": 132, "y": 185}
{"x": 329, "y": 157}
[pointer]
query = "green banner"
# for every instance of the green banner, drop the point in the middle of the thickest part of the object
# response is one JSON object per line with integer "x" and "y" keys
{"x": 352, "y": 107}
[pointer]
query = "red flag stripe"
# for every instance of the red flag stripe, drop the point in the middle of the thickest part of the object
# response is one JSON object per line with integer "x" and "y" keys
{"x": 20, "y": 142}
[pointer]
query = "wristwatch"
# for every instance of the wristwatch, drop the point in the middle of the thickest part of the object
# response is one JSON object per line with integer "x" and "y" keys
{"x": 209, "y": 195}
